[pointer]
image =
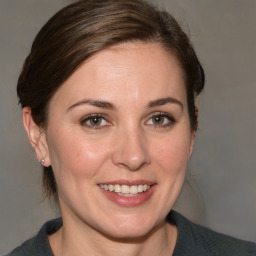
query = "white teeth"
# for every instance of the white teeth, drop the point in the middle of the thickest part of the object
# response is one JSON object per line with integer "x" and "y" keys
{"x": 111, "y": 188}
{"x": 140, "y": 189}
{"x": 134, "y": 190}
{"x": 125, "y": 190}
{"x": 117, "y": 188}
{"x": 127, "y": 195}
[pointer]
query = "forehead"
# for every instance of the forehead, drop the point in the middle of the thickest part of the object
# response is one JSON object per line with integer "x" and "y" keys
{"x": 141, "y": 71}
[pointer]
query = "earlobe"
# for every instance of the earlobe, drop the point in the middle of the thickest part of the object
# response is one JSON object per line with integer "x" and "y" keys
{"x": 36, "y": 137}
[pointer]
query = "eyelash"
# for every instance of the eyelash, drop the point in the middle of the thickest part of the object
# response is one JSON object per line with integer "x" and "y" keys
{"x": 90, "y": 118}
{"x": 170, "y": 120}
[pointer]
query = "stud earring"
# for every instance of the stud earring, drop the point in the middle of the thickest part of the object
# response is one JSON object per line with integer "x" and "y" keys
{"x": 42, "y": 161}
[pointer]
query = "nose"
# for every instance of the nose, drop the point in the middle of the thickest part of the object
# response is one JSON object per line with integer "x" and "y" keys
{"x": 131, "y": 151}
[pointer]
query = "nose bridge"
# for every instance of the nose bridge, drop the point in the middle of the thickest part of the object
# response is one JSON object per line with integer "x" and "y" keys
{"x": 131, "y": 150}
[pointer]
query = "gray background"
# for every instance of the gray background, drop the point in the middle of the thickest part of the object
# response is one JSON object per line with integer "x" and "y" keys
{"x": 221, "y": 192}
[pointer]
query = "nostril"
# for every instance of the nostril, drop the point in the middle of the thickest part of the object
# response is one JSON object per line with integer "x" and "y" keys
{"x": 132, "y": 158}
{"x": 131, "y": 151}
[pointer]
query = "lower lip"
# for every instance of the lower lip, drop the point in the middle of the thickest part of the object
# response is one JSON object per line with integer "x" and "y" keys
{"x": 132, "y": 201}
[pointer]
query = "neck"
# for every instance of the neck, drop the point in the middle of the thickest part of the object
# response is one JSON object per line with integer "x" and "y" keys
{"x": 73, "y": 239}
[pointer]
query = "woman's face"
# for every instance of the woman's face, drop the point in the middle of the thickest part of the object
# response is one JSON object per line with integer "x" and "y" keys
{"x": 119, "y": 138}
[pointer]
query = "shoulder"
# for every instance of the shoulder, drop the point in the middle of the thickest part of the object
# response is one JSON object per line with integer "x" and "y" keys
{"x": 194, "y": 239}
{"x": 38, "y": 245}
{"x": 22, "y": 250}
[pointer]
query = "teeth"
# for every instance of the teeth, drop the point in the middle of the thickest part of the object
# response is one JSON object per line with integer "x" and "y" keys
{"x": 125, "y": 190}
{"x": 140, "y": 188}
{"x": 110, "y": 188}
{"x": 117, "y": 188}
{"x": 133, "y": 189}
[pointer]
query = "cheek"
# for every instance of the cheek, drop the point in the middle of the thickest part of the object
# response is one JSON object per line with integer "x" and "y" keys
{"x": 75, "y": 155}
{"x": 173, "y": 153}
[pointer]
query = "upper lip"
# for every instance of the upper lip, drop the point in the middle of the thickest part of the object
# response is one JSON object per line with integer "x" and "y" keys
{"x": 128, "y": 182}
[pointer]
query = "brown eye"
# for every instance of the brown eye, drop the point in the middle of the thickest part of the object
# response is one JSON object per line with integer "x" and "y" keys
{"x": 158, "y": 119}
{"x": 95, "y": 121}
{"x": 161, "y": 120}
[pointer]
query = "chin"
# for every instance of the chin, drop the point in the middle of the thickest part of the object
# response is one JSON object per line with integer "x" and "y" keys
{"x": 132, "y": 230}
{"x": 131, "y": 235}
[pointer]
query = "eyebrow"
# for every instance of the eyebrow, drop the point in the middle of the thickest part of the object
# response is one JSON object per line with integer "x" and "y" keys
{"x": 163, "y": 101}
{"x": 95, "y": 103}
{"x": 110, "y": 106}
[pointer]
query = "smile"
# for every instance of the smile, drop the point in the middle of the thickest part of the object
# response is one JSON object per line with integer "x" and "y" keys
{"x": 125, "y": 190}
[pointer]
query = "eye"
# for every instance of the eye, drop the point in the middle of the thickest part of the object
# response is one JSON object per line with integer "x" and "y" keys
{"x": 94, "y": 121}
{"x": 161, "y": 120}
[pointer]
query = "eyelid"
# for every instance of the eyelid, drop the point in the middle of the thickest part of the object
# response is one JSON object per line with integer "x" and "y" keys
{"x": 86, "y": 118}
{"x": 170, "y": 117}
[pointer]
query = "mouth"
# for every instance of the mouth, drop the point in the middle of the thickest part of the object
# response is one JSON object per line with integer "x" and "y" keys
{"x": 128, "y": 194}
{"x": 126, "y": 190}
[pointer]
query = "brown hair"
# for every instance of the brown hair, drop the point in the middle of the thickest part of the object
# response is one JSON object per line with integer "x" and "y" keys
{"x": 86, "y": 27}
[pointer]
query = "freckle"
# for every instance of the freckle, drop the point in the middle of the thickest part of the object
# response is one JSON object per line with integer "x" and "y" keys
{"x": 161, "y": 151}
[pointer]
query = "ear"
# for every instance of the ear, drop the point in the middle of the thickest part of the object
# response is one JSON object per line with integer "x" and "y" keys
{"x": 193, "y": 133}
{"x": 192, "y": 140}
{"x": 36, "y": 135}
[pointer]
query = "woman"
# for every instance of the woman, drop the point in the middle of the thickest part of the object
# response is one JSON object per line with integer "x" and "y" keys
{"x": 108, "y": 96}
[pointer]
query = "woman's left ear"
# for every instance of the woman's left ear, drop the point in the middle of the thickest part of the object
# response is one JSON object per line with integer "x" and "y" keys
{"x": 192, "y": 140}
{"x": 37, "y": 138}
{"x": 193, "y": 133}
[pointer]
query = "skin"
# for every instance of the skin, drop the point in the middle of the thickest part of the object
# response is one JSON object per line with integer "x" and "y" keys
{"x": 130, "y": 143}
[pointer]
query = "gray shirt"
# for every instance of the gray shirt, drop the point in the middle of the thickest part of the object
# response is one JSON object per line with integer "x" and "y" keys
{"x": 193, "y": 240}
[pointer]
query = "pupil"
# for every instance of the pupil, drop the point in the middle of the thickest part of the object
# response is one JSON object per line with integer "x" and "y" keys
{"x": 95, "y": 120}
{"x": 158, "y": 120}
